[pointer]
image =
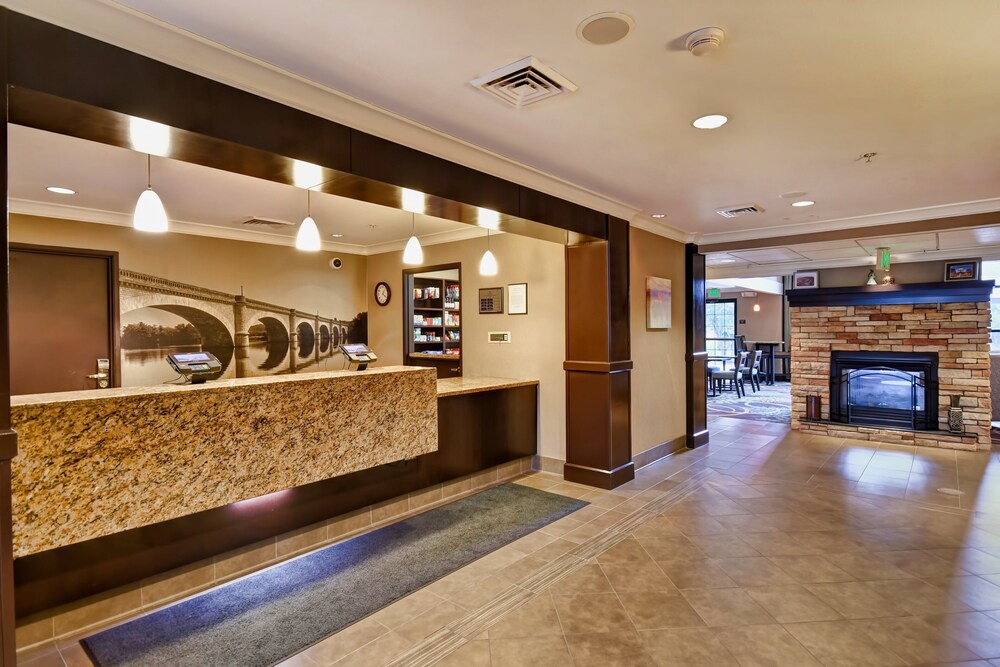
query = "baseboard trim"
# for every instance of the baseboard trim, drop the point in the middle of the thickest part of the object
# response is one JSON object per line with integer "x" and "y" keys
{"x": 547, "y": 464}
{"x": 696, "y": 439}
{"x": 602, "y": 479}
{"x": 654, "y": 454}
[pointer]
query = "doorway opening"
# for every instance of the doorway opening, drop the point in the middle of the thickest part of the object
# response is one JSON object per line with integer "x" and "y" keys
{"x": 433, "y": 318}
{"x": 748, "y": 358}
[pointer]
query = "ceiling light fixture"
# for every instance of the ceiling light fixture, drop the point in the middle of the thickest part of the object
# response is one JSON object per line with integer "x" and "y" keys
{"x": 148, "y": 136}
{"x": 804, "y": 202}
{"x": 726, "y": 261}
{"x": 488, "y": 264}
{"x": 414, "y": 201}
{"x": 413, "y": 254}
{"x": 307, "y": 237}
{"x": 149, "y": 215}
{"x": 60, "y": 191}
{"x": 488, "y": 218}
{"x": 337, "y": 236}
{"x": 659, "y": 215}
{"x": 756, "y": 308}
{"x": 710, "y": 122}
{"x": 306, "y": 174}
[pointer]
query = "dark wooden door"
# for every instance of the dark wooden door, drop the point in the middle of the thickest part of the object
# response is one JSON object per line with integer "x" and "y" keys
{"x": 63, "y": 318}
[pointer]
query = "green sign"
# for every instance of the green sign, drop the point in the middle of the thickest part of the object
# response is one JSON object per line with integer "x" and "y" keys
{"x": 714, "y": 293}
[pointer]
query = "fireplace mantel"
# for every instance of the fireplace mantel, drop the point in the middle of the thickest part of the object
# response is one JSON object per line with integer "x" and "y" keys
{"x": 964, "y": 291}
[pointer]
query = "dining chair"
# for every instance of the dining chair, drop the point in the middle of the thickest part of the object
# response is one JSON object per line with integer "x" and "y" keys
{"x": 752, "y": 372}
{"x": 735, "y": 376}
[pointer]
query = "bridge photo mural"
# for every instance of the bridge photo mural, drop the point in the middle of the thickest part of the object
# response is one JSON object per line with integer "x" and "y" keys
{"x": 250, "y": 337}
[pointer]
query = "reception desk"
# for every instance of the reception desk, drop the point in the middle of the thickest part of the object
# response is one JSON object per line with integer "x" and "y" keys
{"x": 111, "y": 486}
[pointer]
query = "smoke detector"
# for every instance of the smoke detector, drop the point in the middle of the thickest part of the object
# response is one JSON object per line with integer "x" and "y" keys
{"x": 525, "y": 82}
{"x": 705, "y": 40}
{"x": 605, "y": 28}
{"x": 737, "y": 211}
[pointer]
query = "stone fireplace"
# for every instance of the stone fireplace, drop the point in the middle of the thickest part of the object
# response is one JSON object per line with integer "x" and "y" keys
{"x": 886, "y": 370}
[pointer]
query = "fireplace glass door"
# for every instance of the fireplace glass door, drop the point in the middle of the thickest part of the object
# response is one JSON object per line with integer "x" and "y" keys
{"x": 885, "y": 396}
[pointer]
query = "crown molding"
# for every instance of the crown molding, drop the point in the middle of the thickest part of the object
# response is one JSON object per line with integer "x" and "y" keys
{"x": 659, "y": 228}
{"x": 97, "y": 216}
{"x": 745, "y": 270}
{"x": 132, "y": 30}
{"x": 92, "y": 215}
{"x": 856, "y": 222}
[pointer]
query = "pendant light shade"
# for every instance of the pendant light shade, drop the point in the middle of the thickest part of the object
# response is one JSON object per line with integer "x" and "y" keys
{"x": 149, "y": 215}
{"x": 413, "y": 254}
{"x": 488, "y": 264}
{"x": 307, "y": 237}
{"x": 756, "y": 308}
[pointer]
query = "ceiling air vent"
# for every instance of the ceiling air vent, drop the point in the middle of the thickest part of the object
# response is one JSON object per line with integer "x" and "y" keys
{"x": 265, "y": 222}
{"x": 737, "y": 211}
{"x": 525, "y": 82}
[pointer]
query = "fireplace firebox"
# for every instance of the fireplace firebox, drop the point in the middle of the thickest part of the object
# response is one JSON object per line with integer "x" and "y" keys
{"x": 891, "y": 389}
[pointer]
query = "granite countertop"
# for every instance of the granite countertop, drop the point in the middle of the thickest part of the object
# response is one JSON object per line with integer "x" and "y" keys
{"x": 471, "y": 385}
{"x": 214, "y": 385}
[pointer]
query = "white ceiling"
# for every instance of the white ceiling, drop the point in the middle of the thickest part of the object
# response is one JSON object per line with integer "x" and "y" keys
{"x": 198, "y": 199}
{"x": 808, "y": 87}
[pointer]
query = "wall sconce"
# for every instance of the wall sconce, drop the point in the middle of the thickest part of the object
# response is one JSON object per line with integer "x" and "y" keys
{"x": 883, "y": 259}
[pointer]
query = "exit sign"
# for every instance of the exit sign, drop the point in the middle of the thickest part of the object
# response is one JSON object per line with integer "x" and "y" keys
{"x": 714, "y": 293}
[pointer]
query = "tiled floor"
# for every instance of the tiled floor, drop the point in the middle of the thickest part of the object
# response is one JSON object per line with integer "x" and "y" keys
{"x": 764, "y": 548}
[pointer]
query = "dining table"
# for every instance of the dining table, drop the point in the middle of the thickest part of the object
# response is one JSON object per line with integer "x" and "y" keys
{"x": 767, "y": 347}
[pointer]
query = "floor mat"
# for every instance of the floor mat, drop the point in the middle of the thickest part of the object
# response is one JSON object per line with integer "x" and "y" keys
{"x": 269, "y": 616}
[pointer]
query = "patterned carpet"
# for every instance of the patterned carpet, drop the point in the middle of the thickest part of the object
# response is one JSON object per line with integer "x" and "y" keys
{"x": 771, "y": 403}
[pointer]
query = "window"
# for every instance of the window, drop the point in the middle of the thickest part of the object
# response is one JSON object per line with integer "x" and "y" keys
{"x": 991, "y": 271}
{"x": 720, "y": 327}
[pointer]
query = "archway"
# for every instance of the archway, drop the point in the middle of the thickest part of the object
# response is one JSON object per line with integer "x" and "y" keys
{"x": 149, "y": 333}
{"x": 336, "y": 336}
{"x": 277, "y": 342}
{"x": 324, "y": 338}
{"x": 307, "y": 339}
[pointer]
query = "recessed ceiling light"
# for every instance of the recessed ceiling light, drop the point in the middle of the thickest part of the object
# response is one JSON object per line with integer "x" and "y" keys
{"x": 337, "y": 236}
{"x": 659, "y": 215}
{"x": 710, "y": 122}
{"x": 726, "y": 261}
{"x": 60, "y": 191}
{"x": 605, "y": 28}
{"x": 804, "y": 202}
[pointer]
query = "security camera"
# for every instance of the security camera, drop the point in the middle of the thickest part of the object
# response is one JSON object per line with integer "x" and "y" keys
{"x": 336, "y": 263}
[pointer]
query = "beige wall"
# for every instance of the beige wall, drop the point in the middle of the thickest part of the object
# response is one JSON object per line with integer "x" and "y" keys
{"x": 765, "y": 325}
{"x": 537, "y": 349}
{"x": 658, "y": 377}
{"x": 280, "y": 275}
{"x": 856, "y": 276}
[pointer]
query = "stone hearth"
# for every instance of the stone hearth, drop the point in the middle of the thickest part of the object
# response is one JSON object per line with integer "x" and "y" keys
{"x": 958, "y": 332}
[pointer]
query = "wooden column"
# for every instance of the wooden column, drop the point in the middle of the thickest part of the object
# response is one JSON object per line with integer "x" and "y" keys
{"x": 697, "y": 355}
{"x": 8, "y": 439}
{"x": 598, "y": 361}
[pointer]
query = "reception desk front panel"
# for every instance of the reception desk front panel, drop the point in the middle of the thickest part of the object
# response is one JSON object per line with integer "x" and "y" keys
{"x": 96, "y": 463}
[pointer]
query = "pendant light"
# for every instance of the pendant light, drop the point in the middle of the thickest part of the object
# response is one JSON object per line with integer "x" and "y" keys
{"x": 413, "y": 254}
{"x": 149, "y": 215}
{"x": 308, "y": 235}
{"x": 488, "y": 264}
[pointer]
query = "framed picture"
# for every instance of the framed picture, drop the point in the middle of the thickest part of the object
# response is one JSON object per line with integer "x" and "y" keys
{"x": 658, "y": 303}
{"x": 517, "y": 299}
{"x": 962, "y": 269}
{"x": 491, "y": 301}
{"x": 805, "y": 280}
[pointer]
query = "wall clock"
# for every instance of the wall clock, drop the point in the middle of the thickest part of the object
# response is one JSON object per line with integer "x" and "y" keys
{"x": 382, "y": 293}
